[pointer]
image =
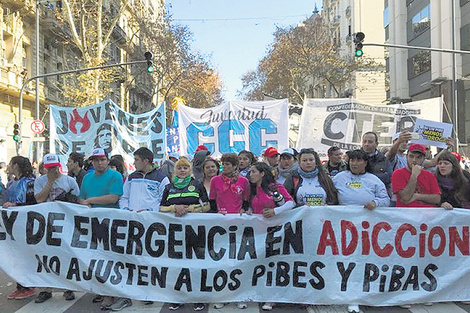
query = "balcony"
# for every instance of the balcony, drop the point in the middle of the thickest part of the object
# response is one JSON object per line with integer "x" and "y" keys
{"x": 119, "y": 34}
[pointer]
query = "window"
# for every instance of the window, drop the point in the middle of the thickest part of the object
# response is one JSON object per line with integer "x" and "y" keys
{"x": 465, "y": 38}
{"x": 386, "y": 18}
{"x": 419, "y": 63}
{"x": 421, "y": 21}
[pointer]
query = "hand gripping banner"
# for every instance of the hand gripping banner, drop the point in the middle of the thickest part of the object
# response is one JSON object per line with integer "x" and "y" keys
{"x": 316, "y": 255}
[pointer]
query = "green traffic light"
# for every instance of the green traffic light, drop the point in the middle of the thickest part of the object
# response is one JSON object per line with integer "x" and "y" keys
{"x": 150, "y": 69}
{"x": 359, "y": 53}
{"x": 16, "y": 138}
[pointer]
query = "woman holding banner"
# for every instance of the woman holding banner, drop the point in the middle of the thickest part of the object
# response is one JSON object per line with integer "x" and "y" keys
{"x": 310, "y": 184}
{"x": 357, "y": 186}
{"x": 454, "y": 184}
{"x": 267, "y": 198}
{"x": 20, "y": 191}
{"x": 183, "y": 195}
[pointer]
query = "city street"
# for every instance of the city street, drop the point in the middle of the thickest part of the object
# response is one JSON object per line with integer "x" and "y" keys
{"x": 83, "y": 304}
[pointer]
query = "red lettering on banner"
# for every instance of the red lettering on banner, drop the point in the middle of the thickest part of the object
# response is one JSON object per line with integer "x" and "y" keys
{"x": 346, "y": 226}
{"x": 387, "y": 250}
{"x": 76, "y": 118}
{"x": 365, "y": 239}
{"x": 422, "y": 240}
{"x": 456, "y": 240}
{"x": 408, "y": 253}
{"x": 437, "y": 230}
{"x": 327, "y": 238}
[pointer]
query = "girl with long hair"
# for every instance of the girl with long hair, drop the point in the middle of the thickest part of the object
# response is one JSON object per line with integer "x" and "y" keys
{"x": 310, "y": 184}
{"x": 210, "y": 168}
{"x": 454, "y": 184}
{"x": 245, "y": 160}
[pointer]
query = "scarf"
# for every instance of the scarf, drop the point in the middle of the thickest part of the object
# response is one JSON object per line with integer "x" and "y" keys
{"x": 229, "y": 180}
{"x": 180, "y": 183}
{"x": 284, "y": 172}
{"x": 311, "y": 174}
{"x": 445, "y": 182}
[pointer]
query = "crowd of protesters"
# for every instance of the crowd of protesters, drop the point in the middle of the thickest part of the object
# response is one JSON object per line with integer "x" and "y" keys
{"x": 405, "y": 175}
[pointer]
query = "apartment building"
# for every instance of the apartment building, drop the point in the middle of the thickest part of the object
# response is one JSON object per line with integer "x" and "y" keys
{"x": 132, "y": 91}
{"x": 419, "y": 74}
{"x": 346, "y": 17}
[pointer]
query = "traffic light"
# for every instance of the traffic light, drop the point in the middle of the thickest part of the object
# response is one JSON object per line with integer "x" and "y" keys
{"x": 148, "y": 56}
{"x": 16, "y": 132}
{"x": 358, "y": 39}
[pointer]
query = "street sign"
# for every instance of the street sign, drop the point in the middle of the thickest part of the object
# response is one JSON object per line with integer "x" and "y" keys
{"x": 37, "y": 126}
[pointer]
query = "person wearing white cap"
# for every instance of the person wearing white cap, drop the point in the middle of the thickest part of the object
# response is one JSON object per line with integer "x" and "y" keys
{"x": 287, "y": 165}
{"x": 50, "y": 187}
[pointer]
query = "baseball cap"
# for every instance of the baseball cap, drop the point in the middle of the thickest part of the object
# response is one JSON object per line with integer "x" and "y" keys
{"x": 97, "y": 153}
{"x": 271, "y": 151}
{"x": 456, "y": 155}
{"x": 288, "y": 151}
{"x": 201, "y": 147}
{"x": 50, "y": 160}
{"x": 417, "y": 148}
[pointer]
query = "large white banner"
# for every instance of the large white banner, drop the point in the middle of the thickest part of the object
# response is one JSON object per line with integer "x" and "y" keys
{"x": 322, "y": 255}
{"x": 342, "y": 122}
{"x": 107, "y": 126}
{"x": 234, "y": 126}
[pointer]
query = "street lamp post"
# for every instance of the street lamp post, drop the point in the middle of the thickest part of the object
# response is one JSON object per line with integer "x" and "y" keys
{"x": 36, "y": 144}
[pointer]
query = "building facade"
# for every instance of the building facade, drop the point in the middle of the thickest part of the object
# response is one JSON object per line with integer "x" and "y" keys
{"x": 346, "y": 17}
{"x": 419, "y": 74}
{"x": 133, "y": 91}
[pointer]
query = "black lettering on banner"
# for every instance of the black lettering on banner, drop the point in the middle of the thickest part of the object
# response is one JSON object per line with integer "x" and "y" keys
{"x": 282, "y": 274}
{"x": 74, "y": 270}
{"x": 99, "y": 233}
{"x": 248, "y": 244}
{"x": 135, "y": 238}
{"x": 77, "y": 146}
{"x": 216, "y": 256}
{"x": 319, "y": 282}
{"x": 141, "y": 123}
{"x": 103, "y": 277}
{"x": 293, "y": 239}
{"x": 297, "y": 274}
{"x": 232, "y": 240}
{"x": 204, "y": 286}
{"x": 130, "y": 273}
{"x": 398, "y": 272}
{"x": 271, "y": 240}
{"x": 8, "y": 222}
{"x": 172, "y": 242}
{"x": 195, "y": 242}
{"x": 50, "y": 265}
{"x": 184, "y": 277}
{"x": 51, "y": 228}
{"x": 160, "y": 229}
{"x": 327, "y": 129}
{"x": 79, "y": 231}
{"x": 33, "y": 238}
{"x": 412, "y": 279}
{"x": 371, "y": 273}
{"x": 157, "y": 125}
{"x": 65, "y": 124}
{"x": 96, "y": 114}
{"x": 117, "y": 277}
{"x": 141, "y": 274}
{"x": 218, "y": 286}
{"x": 345, "y": 273}
{"x": 258, "y": 271}
{"x": 432, "y": 285}
{"x": 61, "y": 147}
{"x": 158, "y": 276}
{"x": 157, "y": 148}
{"x": 116, "y": 235}
{"x": 236, "y": 283}
{"x": 89, "y": 274}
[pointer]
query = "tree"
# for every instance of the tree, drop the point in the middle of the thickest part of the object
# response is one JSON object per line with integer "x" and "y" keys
{"x": 87, "y": 29}
{"x": 301, "y": 62}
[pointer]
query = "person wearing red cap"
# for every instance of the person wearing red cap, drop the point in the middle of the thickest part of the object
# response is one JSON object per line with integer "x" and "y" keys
{"x": 414, "y": 186}
{"x": 272, "y": 156}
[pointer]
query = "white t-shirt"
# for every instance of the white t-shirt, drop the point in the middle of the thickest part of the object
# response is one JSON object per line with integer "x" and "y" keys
{"x": 310, "y": 192}
{"x": 61, "y": 184}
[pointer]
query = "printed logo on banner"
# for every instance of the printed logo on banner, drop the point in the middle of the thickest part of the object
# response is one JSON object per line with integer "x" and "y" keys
{"x": 106, "y": 126}
{"x": 342, "y": 122}
{"x": 234, "y": 126}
